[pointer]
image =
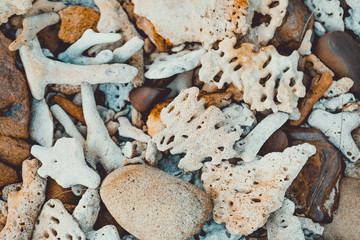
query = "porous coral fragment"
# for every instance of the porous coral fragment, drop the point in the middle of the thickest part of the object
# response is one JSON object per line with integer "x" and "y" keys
{"x": 245, "y": 194}
{"x": 267, "y": 79}
{"x": 190, "y": 126}
{"x": 352, "y": 22}
{"x": 12, "y": 7}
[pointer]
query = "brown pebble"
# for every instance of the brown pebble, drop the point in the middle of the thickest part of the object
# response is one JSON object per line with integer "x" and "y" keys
{"x": 319, "y": 86}
{"x": 315, "y": 190}
{"x": 55, "y": 191}
{"x": 346, "y": 223}
{"x": 14, "y": 101}
{"x": 276, "y": 143}
{"x": 48, "y": 38}
{"x": 70, "y": 107}
{"x": 105, "y": 218}
{"x": 341, "y": 53}
{"x": 144, "y": 98}
{"x": 66, "y": 89}
{"x": 8, "y": 175}
{"x": 13, "y": 151}
{"x": 75, "y": 21}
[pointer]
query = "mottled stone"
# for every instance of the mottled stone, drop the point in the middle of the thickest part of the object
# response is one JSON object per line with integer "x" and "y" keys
{"x": 152, "y": 204}
{"x": 296, "y": 21}
{"x": 346, "y": 223}
{"x": 315, "y": 191}
{"x": 14, "y": 102}
{"x": 13, "y": 151}
{"x": 8, "y": 175}
{"x": 278, "y": 142}
{"x": 144, "y": 98}
{"x": 341, "y": 53}
{"x": 75, "y": 21}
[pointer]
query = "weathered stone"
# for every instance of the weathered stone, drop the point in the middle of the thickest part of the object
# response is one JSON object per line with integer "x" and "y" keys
{"x": 315, "y": 191}
{"x": 13, "y": 151}
{"x": 347, "y": 219}
{"x": 8, "y": 175}
{"x": 278, "y": 142}
{"x": 340, "y": 52}
{"x": 75, "y": 21}
{"x": 296, "y": 21}
{"x": 152, "y": 204}
{"x": 144, "y": 98}
{"x": 14, "y": 102}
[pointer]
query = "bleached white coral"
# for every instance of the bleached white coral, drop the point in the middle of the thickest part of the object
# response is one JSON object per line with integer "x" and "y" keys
{"x": 65, "y": 163}
{"x": 267, "y": 79}
{"x": 12, "y": 7}
{"x": 189, "y": 126}
{"x": 244, "y": 195}
{"x": 116, "y": 94}
{"x": 87, "y": 210}
{"x": 55, "y": 222}
{"x": 108, "y": 232}
{"x": 168, "y": 65}
{"x": 339, "y": 87}
{"x": 126, "y": 129}
{"x": 328, "y": 15}
{"x": 352, "y": 22}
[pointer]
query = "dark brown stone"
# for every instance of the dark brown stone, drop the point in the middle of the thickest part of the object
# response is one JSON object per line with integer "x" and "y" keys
{"x": 13, "y": 151}
{"x": 276, "y": 143}
{"x": 8, "y": 175}
{"x": 105, "y": 218}
{"x": 65, "y": 195}
{"x": 340, "y": 52}
{"x": 144, "y": 99}
{"x": 14, "y": 102}
{"x": 315, "y": 190}
{"x": 296, "y": 21}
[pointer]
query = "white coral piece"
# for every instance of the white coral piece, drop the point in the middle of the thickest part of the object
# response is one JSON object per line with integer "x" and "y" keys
{"x": 248, "y": 147}
{"x": 41, "y": 128}
{"x": 267, "y": 79}
{"x": 339, "y": 87}
{"x": 116, "y": 94}
{"x": 262, "y": 34}
{"x": 12, "y": 7}
{"x": 245, "y": 194}
{"x": 99, "y": 147}
{"x": 55, "y": 222}
{"x": 337, "y": 128}
{"x": 335, "y": 103}
{"x": 328, "y": 15}
{"x": 352, "y": 22}
{"x": 124, "y": 53}
{"x": 74, "y": 54}
{"x": 41, "y": 71}
{"x": 126, "y": 129}
{"x": 87, "y": 210}
{"x": 110, "y": 20}
{"x": 108, "y": 232}
{"x": 283, "y": 225}
{"x": 168, "y": 65}
{"x": 65, "y": 163}
{"x": 190, "y": 126}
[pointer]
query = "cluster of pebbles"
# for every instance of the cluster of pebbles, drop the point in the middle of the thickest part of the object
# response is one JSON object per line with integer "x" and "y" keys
{"x": 164, "y": 119}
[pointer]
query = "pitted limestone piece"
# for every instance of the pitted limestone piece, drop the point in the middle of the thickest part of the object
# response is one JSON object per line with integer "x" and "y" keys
{"x": 166, "y": 65}
{"x": 12, "y": 7}
{"x": 116, "y": 94}
{"x": 337, "y": 128}
{"x": 126, "y": 129}
{"x": 244, "y": 195}
{"x": 55, "y": 222}
{"x": 339, "y": 87}
{"x": 99, "y": 147}
{"x": 108, "y": 232}
{"x": 67, "y": 123}
{"x": 41, "y": 128}
{"x": 352, "y": 22}
{"x": 267, "y": 79}
{"x": 41, "y": 71}
{"x": 208, "y": 22}
{"x": 215, "y": 231}
{"x": 25, "y": 205}
{"x": 283, "y": 225}
{"x": 238, "y": 118}
{"x": 248, "y": 147}
{"x": 328, "y": 15}
{"x": 87, "y": 210}
{"x": 31, "y": 26}
{"x": 74, "y": 54}
{"x": 65, "y": 163}
{"x": 263, "y": 33}
{"x": 189, "y": 125}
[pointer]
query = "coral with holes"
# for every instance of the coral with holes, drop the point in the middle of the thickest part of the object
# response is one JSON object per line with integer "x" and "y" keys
{"x": 267, "y": 79}
{"x": 271, "y": 14}
{"x": 116, "y": 94}
{"x": 244, "y": 195}
{"x": 179, "y": 21}
{"x": 198, "y": 132}
{"x": 352, "y": 22}
{"x": 328, "y": 15}
{"x": 55, "y": 222}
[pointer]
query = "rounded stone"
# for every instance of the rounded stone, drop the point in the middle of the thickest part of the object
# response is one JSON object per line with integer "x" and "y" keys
{"x": 152, "y": 204}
